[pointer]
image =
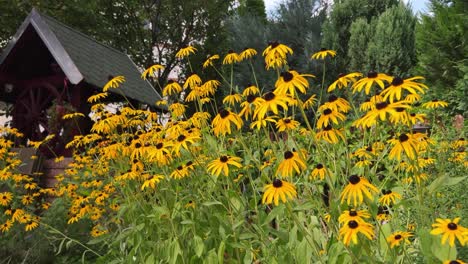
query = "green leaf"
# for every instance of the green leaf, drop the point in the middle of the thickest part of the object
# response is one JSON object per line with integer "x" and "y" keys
{"x": 444, "y": 181}
{"x": 278, "y": 210}
{"x": 199, "y": 246}
{"x": 212, "y": 203}
{"x": 443, "y": 252}
{"x": 221, "y": 252}
{"x": 246, "y": 236}
{"x": 150, "y": 259}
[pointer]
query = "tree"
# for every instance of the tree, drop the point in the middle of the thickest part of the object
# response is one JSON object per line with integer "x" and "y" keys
{"x": 336, "y": 31}
{"x": 442, "y": 53}
{"x": 254, "y": 8}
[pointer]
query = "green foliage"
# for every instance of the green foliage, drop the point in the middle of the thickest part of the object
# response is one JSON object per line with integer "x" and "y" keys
{"x": 392, "y": 47}
{"x": 442, "y": 53}
{"x": 254, "y": 8}
{"x": 361, "y": 33}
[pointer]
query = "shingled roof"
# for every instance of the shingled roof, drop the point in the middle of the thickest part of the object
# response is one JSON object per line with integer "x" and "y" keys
{"x": 84, "y": 59}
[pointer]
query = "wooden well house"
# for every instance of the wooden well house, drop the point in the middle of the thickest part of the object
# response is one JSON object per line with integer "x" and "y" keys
{"x": 48, "y": 66}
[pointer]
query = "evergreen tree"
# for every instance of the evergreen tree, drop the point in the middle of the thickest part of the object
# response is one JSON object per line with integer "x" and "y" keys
{"x": 441, "y": 41}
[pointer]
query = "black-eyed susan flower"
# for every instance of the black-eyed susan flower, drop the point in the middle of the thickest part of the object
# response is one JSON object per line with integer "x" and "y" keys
{"x": 381, "y": 111}
{"x": 182, "y": 141}
{"x": 388, "y": 197}
{"x": 172, "y": 87}
{"x": 330, "y": 135}
{"x": 327, "y": 116}
{"x": 232, "y": 99}
{"x": 192, "y": 81}
{"x": 177, "y": 109}
{"x": 275, "y": 55}
{"x": 310, "y": 102}
{"x": 336, "y": 104}
{"x": 349, "y": 231}
{"x": 291, "y": 80}
{"x": 405, "y": 143}
{"x": 223, "y": 120}
{"x": 396, "y": 238}
{"x": 247, "y": 53}
{"x": 72, "y": 115}
{"x": 259, "y": 123}
{"x": 455, "y": 261}
{"x": 271, "y": 102}
{"x": 5, "y": 227}
{"x": 210, "y": 61}
{"x": 277, "y": 190}
{"x": 5, "y": 198}
{"x": 222, "y": 163}
{"x": 30, "y": 225}
{"x": 151, "y": 181}
{"x": 27, "y": 199}
{"x": 323, "y": 53}
{"x": 344, "y": 80}
{"x": 185, "y": 52}
{"x": 291, "y": 163}
{"x": 450, "y": 229}
{"x": 190, "y": 204}
{"x": 231, "y": 58}
{"x": 151, "y": 71}
{"x": 352, "y": 214}
{"x": 94, "y": 98}
{"x": 398, "y": 85}
{"x": 113, "y": 83}
{"x": 435, "y": 104}
{"x": 357, "y": 186}
{"x": 286, "y": 124}
{"x": 320, "y": 171}
{"x": 180, "y": 172}
{"x": 250, "y": 90}
{"x": 369, "y": 81}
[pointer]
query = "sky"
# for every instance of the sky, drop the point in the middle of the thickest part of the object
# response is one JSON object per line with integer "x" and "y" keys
{"x": 418, "y": 5}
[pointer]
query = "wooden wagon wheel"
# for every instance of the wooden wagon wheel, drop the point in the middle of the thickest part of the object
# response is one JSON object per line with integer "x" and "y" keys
{"x": 30, "y": 110}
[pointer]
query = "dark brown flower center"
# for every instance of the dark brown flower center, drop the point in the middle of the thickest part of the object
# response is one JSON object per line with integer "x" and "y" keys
{"x": 159, "y": 145}
{"x": 180, "y": 168}
{"x": 319, "y": 166}
{"x": 381, "y": 105}
{"x": 371, "y": 74}
{"x": 181, "y": 138}
{"x": 397, "y": 81}
{"x": 288, "y": 154}
{"x": 353, "y": 224}
{"x": 403, "y": 138}
{"x": 400, "y": 109}
{"x": 323, "y": 49}
{"x": 224, "y": 113}
{"x": 332, "y": 98}
{"x": 287, "y": 120}
{"x": 354, "y": 179}
{"x": 223, "y": 159}
{"x": 287, "y": 76}
{"x": 269, "y": 96}
{"x": 137, "y": 145}
{"x": 454, "y": 262}
{"x": 352, "y": 213}
{"x": 277, "y": 183}
{"x": 327, "y": 128}
{"x": 327, "y": 111}
{"x": 452, "y": 226}
{"x": 189, "y": 163}
{"x": 398, "y": 237}
{"x": 251, "y": 98}
{"x": 230, "y": 51}
{"x": 274, "y": 44}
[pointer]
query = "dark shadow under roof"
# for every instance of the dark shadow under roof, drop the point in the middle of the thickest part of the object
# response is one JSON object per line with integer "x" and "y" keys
{"x": 84, "y": 59}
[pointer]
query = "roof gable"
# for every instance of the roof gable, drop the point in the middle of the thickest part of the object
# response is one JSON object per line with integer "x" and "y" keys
{"x": 83, "y": 58}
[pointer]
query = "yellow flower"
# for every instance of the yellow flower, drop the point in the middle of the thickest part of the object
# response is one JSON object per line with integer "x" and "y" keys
{"x": 330, "y": 135}
{"x": 450, "y": 230}
{"x": 286, "y": 124}
{"x": 291, "y": 80}
{"x": 349, "y": 232}
{"x": 210, "y": 60}
{"x": 259, "y": 123}
{"x": 344, "y": 80}
{"x": 323, "y": 53}
{"x": 291, "y": 162}
{"x": 381, "y": 111}
{"x": 185, "y": 52}
{"x": 190, "y": 204}
{"x": 192, "y": 81}
{"x": 5, "y": 227}
{"x": 5, "y": 198}
{"x": 336, "y": 104}
{"x": 435, "y": 104}
{"x": 113, "y": 83}
{"x": 231, "y": 58}
{"x": 394, "y": 91}
{"x": 222, "y": 165}
{"x": 271, "y": 102}
{"x": 247, "y": 54}
{"x": 151, "y": 71}
{"x": 223, "y": 120}
{"x": 152, "y": 181}
{"x": 355, "y": 189}
{"x": 327, "y": 116}
{"x": 389, "y": 197}
{"x": 396, "y": 238}
{"x": 458, "y": 261}
{"x": 250, "y": 90}
{"x": 177, "y": 109}
{"x": 232, "y": 99}
{"x": 278, "y": 190}
{"x": 319, "y": 172}
{"x": 275, "y": 55}
{"x": 72, "y": 115}
{"x": 371, "y": 79}
{"x": 172, "y": 87}
{"x": 405, "y": 143}
{"x": 31, "y": 225}
{"x": 352, "y": 214}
